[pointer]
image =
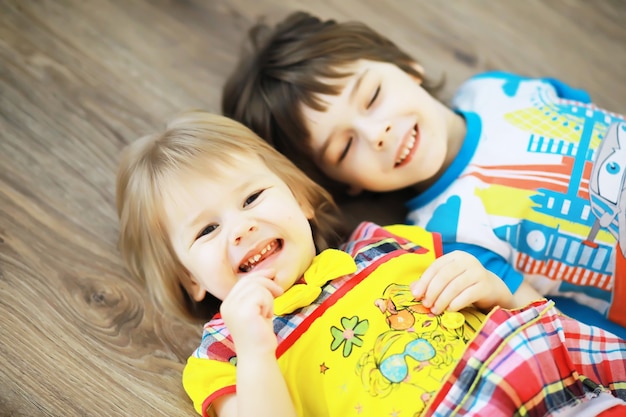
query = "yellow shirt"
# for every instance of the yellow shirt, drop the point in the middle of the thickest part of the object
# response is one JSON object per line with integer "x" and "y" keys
{"x": 363, "y": 346}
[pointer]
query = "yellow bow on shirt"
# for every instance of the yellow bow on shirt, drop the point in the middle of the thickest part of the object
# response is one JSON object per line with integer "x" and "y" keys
{"x": 328, "y": 265}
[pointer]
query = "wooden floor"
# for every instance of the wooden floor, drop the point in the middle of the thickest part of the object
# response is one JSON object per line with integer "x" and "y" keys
{"x": 81, "y": 78}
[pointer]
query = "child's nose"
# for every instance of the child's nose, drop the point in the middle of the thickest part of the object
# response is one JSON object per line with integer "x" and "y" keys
{"x": 242, "y": 232}
{"x": 379, "y": 136}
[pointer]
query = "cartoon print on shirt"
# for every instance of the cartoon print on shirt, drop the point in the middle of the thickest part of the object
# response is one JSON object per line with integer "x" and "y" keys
{"x": 349, "y": 335}
{"x": 398, "y": 305}
{"x": 573, "y": 132}
{"x": 403, "y": 312}
{"x": 607, "y": 185}
{"x": 564, "y": 213}
{"x": 401, "y": 357}
{"x": 418, "y": 349}
{"x": 588, "y": 146}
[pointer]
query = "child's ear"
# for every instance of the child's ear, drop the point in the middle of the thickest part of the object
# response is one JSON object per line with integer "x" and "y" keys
{"x": 193, "y": 287}
{"x": 420, "y": 70}
{"x": 308, "y": 210}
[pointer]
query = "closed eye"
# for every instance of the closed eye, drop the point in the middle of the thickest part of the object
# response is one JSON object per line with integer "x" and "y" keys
{"x": 345, "y": 150}
{"x": 374, "y": 97}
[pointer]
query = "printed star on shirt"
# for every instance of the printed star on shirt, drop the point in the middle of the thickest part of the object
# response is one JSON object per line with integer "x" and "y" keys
{"x": 323, "y": 368}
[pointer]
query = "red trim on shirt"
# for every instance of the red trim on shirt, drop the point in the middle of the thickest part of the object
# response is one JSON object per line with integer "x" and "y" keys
{"x": 617, "y": 310}
{"x": 437, "y": 244}
{"x": 230, "y": 389}
{"x": 331, "y": 300}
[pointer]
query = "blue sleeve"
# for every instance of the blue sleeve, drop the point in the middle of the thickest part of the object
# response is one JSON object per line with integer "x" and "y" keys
{"x": 491, "y": 261}
{"x": 563, "y": 90}
{"x": 569, "y": 93}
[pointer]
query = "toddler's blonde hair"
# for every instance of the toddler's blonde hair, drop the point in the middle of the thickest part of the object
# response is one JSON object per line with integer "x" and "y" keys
{"x": 200, "y": 142}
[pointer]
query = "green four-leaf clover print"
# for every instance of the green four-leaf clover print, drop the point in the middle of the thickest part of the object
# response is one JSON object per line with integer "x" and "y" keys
{"x": 350, "y": 335}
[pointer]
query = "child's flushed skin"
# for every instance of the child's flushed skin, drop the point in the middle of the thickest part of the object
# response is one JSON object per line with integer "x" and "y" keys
{"x": 241, "y": 230}
{"x": 245, "y": 247}
{"x": 383, "y": 131}
{"x": 253, "y": 243}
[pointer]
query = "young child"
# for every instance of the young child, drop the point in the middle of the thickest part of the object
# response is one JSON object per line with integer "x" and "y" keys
{"x": 384, "y": 326}
{"x": 526, "y": 174}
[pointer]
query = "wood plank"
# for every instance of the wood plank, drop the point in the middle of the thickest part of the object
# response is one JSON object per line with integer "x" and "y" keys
{"x": 81, "y": 78}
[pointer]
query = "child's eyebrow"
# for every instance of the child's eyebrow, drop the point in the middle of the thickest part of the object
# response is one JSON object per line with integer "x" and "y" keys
{"x": 196, "y": 219}
{"x": 357, "y": 84}
{"x": 322, "y": 152}
{"x": 353, "y": 91}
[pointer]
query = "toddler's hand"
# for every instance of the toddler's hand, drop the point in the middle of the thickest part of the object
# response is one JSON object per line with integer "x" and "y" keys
{"x": 457, "y": 280}
{"x": 248, "y": 309}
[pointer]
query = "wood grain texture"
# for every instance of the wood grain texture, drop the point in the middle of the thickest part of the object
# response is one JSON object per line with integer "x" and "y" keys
{"x": 81, "y": 78}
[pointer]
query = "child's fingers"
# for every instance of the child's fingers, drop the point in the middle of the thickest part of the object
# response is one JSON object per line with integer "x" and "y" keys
{"x": 266, "y": 277}
{"x": 436, "y": 278}
{"x": 421, "y": 285}
{"x": 274, "y": 290}
{"x": 268, "y": 273}
{"x": 467, "y": 296}
{"x": 247, "y": 311}
{"x": 264, "y": 298}
{"x": 253, "y": 294}
{"x": 447, "y": 297}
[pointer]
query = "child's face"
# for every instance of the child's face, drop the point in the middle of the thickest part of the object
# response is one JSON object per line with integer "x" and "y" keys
{"x": 245, "y": 220}
{"x": 383, "y": 131}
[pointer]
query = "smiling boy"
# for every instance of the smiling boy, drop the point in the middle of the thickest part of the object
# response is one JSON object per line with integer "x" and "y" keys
{"x": 525, "y": 174}
{"x": 382, "y": 119}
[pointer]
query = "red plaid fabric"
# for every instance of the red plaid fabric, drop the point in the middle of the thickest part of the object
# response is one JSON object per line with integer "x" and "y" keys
{"x": 534, "y": 362}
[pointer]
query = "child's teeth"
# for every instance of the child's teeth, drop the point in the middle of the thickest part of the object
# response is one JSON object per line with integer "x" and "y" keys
{"x": 408, "y": 148}
{"x": 254, "y": 259}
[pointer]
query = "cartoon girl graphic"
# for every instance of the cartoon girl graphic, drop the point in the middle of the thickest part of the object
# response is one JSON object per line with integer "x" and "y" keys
{"x": 401, "y": 357}
{"x": 419, "y": 349}
{"x": 404, "y": 312}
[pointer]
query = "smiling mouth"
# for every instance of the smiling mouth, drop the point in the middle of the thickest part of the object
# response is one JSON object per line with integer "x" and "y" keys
{"x": 408, "y": 148}
{"x": 265, "y": 252}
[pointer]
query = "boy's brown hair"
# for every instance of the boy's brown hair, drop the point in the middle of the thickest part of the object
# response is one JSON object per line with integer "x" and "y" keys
{"x": 150, "y": 168}
{"x": 289, "y": 66}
